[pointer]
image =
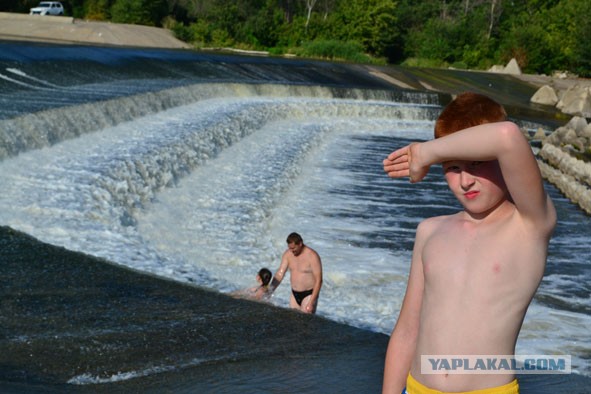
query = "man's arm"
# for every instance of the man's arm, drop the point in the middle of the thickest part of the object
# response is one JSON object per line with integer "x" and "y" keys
{"x": 501, "y": 141}
{"x": 279, "y": 274}
{"x": 316, "y": 266}
{"x": 403, "y": 341}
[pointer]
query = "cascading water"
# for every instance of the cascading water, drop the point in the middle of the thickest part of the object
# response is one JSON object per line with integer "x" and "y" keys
{"x": 200, "y": 182}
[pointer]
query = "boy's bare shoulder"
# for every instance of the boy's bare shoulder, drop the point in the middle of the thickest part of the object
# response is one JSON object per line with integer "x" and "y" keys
{"x": 434, "y": 225}
{"x": 435, "y": 222}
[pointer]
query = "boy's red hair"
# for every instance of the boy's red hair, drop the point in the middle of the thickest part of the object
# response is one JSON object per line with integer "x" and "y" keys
{"x": 468, "y": 110}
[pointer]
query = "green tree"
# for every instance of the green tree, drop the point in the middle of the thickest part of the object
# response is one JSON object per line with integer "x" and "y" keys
{"x": 140, "y": 12}
{"x": 549, "y": 38}
{"x": 372, "y": 23}
{"x": 449, "y": 31}
{"x": 264, "y": 27}
{"x": 581, "y": 59}
{"x": 410, "y": 16}
{"x": 527, "y": 43}
{"x": 96, "y": 9}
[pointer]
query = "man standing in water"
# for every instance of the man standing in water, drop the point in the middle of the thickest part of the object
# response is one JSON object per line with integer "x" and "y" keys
{"x": 305, "y": 270}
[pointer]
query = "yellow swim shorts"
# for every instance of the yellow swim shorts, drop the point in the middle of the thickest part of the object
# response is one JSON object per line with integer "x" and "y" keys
{"x": 414, "y": 387}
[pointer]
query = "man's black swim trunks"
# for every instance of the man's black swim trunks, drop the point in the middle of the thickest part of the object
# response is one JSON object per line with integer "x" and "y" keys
{"x": 300, "y": 295}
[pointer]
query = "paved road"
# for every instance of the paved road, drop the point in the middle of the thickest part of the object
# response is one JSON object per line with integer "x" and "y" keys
{"x": 63, "y": 29}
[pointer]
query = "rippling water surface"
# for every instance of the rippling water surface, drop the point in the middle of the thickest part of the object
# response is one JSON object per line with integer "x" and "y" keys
{"x": 204, "y": 188}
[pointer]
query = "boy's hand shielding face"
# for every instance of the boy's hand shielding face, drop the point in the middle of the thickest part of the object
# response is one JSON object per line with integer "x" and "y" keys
{"x": 405, "y": 162}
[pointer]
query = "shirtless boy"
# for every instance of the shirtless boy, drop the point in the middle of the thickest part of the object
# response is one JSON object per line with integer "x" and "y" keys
{"x": 473, "y": 273}
{"x": 305, "y": 270}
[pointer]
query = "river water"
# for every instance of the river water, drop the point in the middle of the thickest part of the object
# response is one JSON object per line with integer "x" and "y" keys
{"x": 141, "y": 186}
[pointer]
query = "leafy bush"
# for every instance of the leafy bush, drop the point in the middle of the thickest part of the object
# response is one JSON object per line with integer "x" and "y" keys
{"x": 130, "y": 11}
{"x": 201, "y": 32}
{"x": 97, "y": 10}
{"x": 426, "y": 63}
{"x": 277, "y": 51}
{"x": 139, "y": 12}
{"x": 459, "y": 65}
{"x": 221, "y": 38}
{"x": 182, "y": 32}
{"x": 334, "y": 50}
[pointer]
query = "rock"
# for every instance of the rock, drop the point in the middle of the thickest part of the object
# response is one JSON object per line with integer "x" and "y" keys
{"x": 567, "y": 137}
{"x": 560, "y": 74}
{"x": 497, "y": 69}
{"x": 560, "y": 93}
{"x": 540, "y": 135}
{"x": 570, "y": 138}
{"x": 555, "y": 138}
{"x": 577, "y": 123}
{"x": 512, "y": 67}
{"x": 567, "y": 164}
{"x": 546, "y": 95}
{"x": 570, "y": 174}
{"x": 576, "y": 101}
{"x": 563, "y": 74}
{"x": 577, "y": 192}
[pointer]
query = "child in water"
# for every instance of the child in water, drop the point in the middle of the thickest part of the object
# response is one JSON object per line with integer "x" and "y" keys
{"x": 259, "y": 292}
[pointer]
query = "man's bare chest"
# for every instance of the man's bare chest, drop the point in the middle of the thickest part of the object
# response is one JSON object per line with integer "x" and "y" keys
{"x": 300, "y": 265}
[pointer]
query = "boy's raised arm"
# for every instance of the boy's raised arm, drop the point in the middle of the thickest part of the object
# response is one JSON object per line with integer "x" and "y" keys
{"x": 502, "y": 141}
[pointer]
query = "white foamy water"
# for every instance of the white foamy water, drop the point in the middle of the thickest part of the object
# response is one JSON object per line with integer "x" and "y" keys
{"x": 207, "y": 193}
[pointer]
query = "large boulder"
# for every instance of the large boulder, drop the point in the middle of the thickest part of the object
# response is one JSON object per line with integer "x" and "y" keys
{"x": 512, "y": 67}
{"x": 576, "y": 101}
{"x": 546, "y": 95}
{"x": 577, "y": 123}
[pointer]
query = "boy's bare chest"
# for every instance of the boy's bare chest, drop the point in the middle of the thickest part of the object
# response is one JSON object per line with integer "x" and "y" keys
{"x": 466, "y": 251}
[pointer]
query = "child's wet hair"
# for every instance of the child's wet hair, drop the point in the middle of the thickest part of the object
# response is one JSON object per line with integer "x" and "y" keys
{"x": 265, "y": 275}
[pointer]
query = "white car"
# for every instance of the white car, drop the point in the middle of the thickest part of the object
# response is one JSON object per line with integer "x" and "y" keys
{"x": 48, "y": 8}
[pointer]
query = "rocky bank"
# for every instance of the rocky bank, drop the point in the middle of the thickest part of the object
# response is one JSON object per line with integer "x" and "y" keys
{"x": 565, "y": 157}
{"x": 564, "y": 161}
